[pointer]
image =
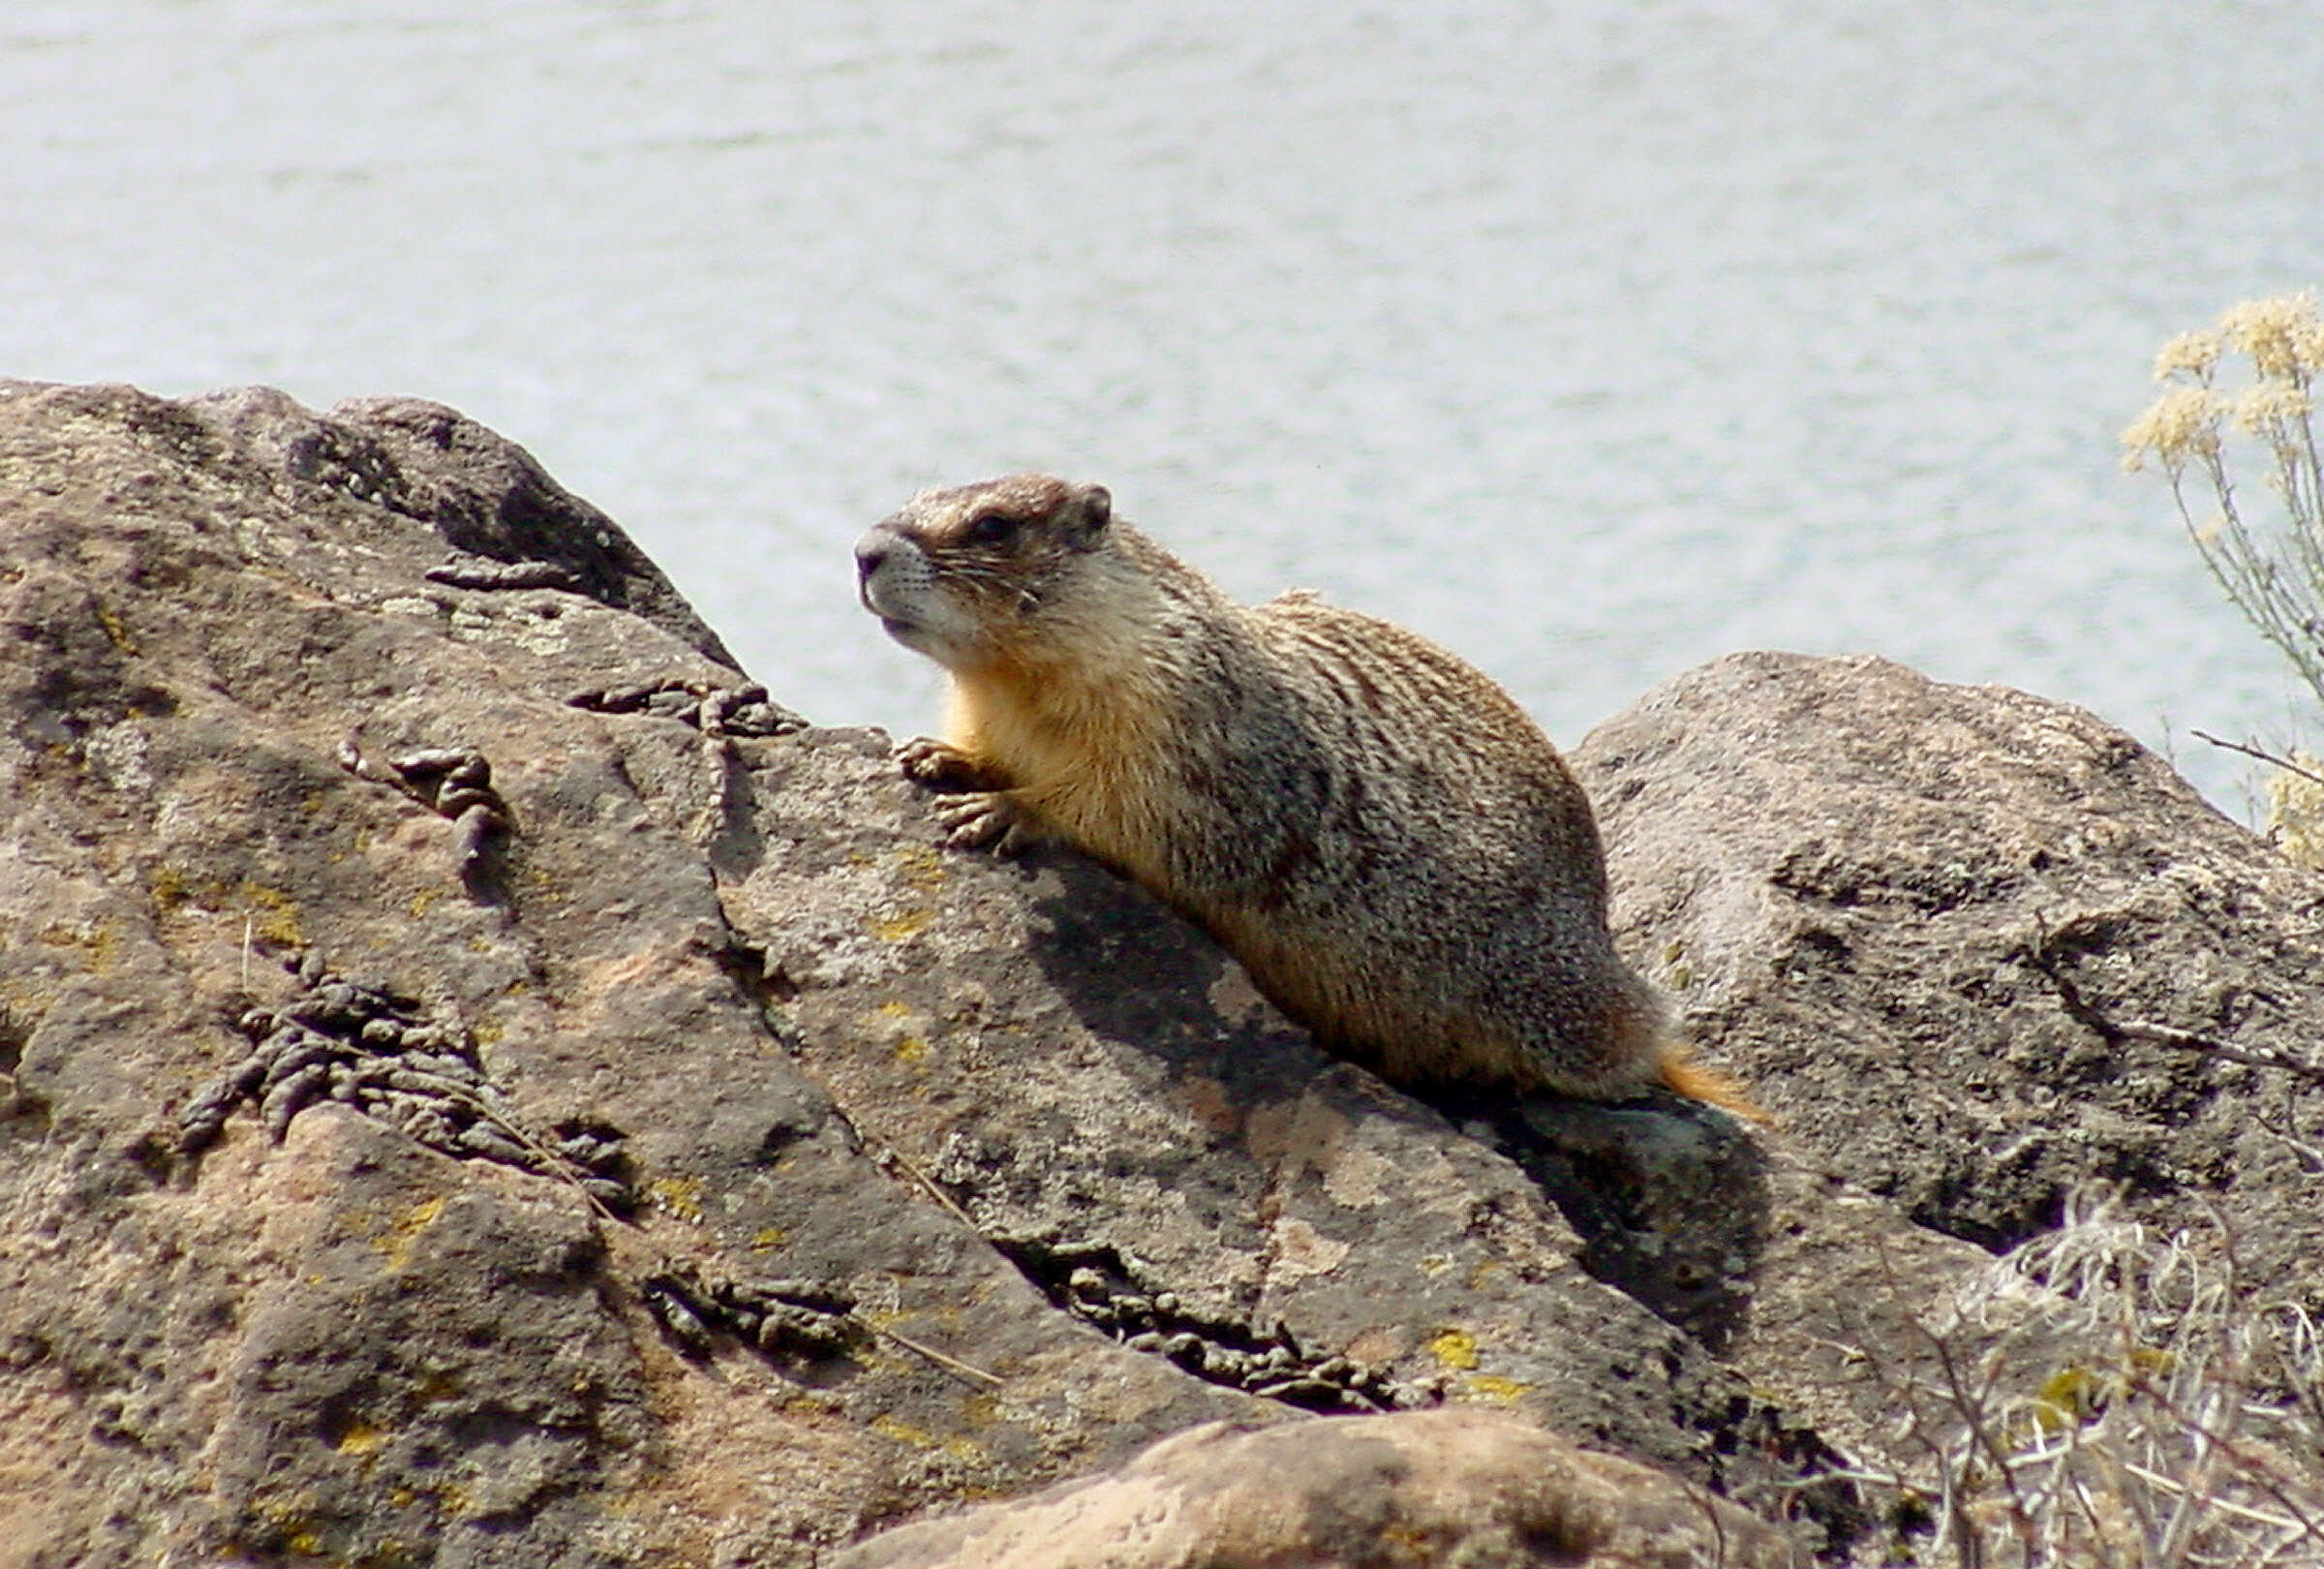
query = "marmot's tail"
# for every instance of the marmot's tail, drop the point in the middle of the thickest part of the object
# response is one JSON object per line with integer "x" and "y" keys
{"x": 1691, "y": 1079}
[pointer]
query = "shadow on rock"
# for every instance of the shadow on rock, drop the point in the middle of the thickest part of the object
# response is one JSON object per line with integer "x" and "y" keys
{"x": 1671, "y": 1201}
{"x": 1133, "y": 972}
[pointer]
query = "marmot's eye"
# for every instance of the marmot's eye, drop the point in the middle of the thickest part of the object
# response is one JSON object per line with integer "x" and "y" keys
{"x": 991, "y": 528}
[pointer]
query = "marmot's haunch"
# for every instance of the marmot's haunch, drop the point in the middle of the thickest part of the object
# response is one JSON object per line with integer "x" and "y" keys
{"x": 1392, "y": 850}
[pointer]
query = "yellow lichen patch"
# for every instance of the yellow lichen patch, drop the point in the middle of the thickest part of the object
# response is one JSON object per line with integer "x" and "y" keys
{"x": 904, "y": 925}
{"x": 395, "y": 1242}
{"x": 2075, "y": 1395}
{"x": 767, "y": 1238}
{"x": 880, "y": 1318}
{"x": 299, "y": 1534}
{"x": 362, "y": 1439}
{"x": 921, "y": 867}
{"x": 2069, "y": 1398}
{"x": 118, "y": 630}
{"x": 169, "y": 890}
{"x": 1411, "y": 1544}
{"x": 96, "y": 940}
{"x": 1496, "y": 1390}
{"x": 1455, "y": 1348}
{"x": 903, "y": 1433}
{"x": 679, "y": 1196}
{"x": 279, "y": 922}
{"x": 422, "y": 900}
{"x": 890, "y": 1021}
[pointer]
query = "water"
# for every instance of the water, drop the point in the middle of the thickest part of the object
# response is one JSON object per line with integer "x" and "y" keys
{"x": 1591, "y": 339}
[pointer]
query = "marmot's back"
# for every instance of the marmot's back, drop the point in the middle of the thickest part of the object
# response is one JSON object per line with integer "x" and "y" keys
{"x": 1447, "y": 920}
{"x": 1392, "y": 849}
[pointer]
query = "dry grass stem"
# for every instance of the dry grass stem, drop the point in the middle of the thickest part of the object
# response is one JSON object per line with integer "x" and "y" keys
{"x": 2110, "y": 1396}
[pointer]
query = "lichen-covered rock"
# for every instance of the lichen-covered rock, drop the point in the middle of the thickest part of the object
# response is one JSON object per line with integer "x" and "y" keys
{"x": 485, "y": 1084}
{"x": 480, "y": 1083}
{"x": 372, "y": 1195}
{"x": 1927, "y": 919}
{"x": 1930, "y": 925}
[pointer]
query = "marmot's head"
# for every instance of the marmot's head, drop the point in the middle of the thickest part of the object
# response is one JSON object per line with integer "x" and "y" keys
{"x": 963, "y": 576}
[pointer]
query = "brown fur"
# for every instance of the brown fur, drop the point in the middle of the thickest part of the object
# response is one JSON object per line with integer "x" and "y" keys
{"x": 1393, "y": 850}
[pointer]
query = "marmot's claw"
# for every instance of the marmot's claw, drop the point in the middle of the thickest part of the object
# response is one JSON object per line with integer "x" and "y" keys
{"x": 924, "y": 758}
{"x": 941, "y": 764}
{"x": 982, "y": 820}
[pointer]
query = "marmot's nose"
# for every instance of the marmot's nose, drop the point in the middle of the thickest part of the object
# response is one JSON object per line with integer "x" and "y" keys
{"x": 870, "y": 551}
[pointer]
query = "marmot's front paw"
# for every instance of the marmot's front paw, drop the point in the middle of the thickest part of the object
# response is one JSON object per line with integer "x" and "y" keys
{"x": 943, "y": 766}
{"x": 984, "y": 817}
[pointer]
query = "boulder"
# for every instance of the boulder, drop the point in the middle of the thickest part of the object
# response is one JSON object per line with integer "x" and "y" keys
{"x": 1989, "y": 960}
{"x": 486, "y": 1084}
{"x": 1980, "y": 948}
{"x": 1449, "y": 1486}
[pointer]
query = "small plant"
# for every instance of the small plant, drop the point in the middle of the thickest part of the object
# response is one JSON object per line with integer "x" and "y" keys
{"x": 2253, "y": 376}
{"x": 2112, "y": 1398}
{"x": 2296, "y": 809}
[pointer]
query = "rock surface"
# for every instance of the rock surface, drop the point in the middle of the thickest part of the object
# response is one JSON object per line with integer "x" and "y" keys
{"x": 486, "y": 1084}
{"x": 1448, "y": 1486}
{"x": 1927, "y": 923}
{"x": 1923, "y": 916}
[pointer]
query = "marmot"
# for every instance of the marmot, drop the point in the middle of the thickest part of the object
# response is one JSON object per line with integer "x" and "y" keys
{"x": 1393, "y": 850}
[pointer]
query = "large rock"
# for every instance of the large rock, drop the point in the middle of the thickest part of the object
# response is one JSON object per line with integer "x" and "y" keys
{"x": 1449, "y": 1486}
{"x": 399, "y": 1321}
{"x": 1986, "y": 957}
{"x": 488, "y": 1086}
{"x": 1972, "y": 943}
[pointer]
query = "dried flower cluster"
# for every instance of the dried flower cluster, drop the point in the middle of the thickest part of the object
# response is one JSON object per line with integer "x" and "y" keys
{"x": 2253, "y": 376}
{"x": 2296, "y": 809}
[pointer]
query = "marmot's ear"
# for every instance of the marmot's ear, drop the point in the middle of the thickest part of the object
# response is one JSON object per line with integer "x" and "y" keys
{"x": 1097, "y": 511}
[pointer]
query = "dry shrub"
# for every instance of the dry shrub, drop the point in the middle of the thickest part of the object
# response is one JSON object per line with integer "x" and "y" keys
{"x": 2113, "y": 1398}
{"x": 2238, "y": 401}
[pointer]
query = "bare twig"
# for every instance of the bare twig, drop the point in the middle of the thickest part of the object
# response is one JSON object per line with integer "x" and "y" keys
{"x": 2103, "y": 1398}
{"x": 2171, "y": 1035}
{"x": 2261, "y": 753}
{"x": 948, "y": 1364}
{"x": 927, "y": 1183}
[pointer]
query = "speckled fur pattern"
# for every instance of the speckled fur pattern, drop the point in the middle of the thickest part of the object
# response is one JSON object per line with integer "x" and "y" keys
{"x": 1393, "y": 850}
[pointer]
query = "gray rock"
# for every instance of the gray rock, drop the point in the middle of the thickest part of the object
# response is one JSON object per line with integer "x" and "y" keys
{"x": 1361, "y": 1492}
{"x": 1926, "y": 921}
{"x": 482, "y": 1083}
{"x": 353, "y": 1344}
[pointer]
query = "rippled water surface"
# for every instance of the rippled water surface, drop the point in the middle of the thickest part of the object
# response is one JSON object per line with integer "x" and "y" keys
{"x": 1592, "y": 339}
